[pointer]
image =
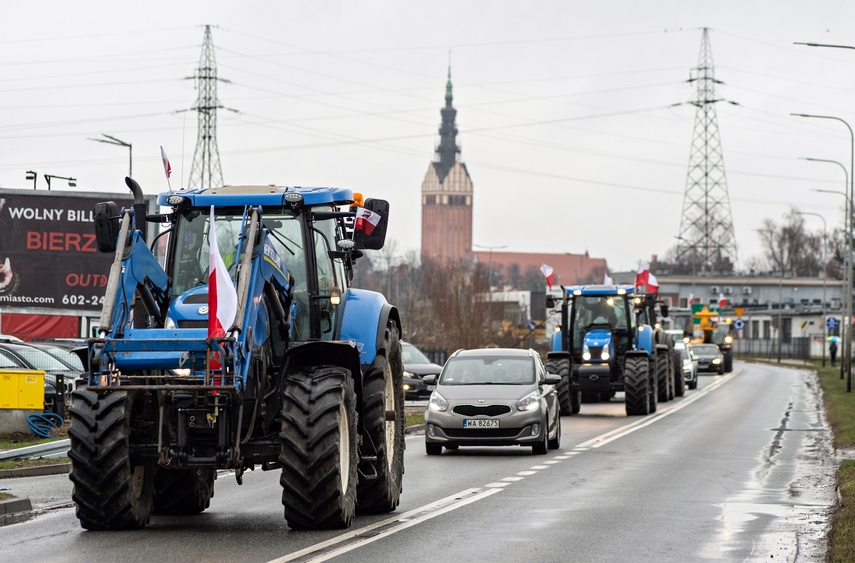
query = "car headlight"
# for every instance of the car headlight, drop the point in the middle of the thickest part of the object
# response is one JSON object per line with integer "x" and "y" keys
{"x": 437, "y": 402}
{"x": 716, "y": 360}
{"x": 687, "y": 363}
{"x": 530, "y": 402}
{"x": 586, "y": 354}
{"x": 409, "y": 374}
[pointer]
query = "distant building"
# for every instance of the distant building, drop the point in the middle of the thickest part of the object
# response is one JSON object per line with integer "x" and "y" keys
{"x": 447, "y": 204}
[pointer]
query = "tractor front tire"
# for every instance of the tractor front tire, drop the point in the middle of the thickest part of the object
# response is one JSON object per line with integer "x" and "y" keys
{"x": 319, "y": 455}
{"x": 568, "y": 401}
{"x": 679, "y": 380}
{"x": 183, "y": 491}
{"x": 662, "y": 377}
{"x": 383, "y": 409}
{"x": 636, "y": 386}
{"x": 109, "y": 492}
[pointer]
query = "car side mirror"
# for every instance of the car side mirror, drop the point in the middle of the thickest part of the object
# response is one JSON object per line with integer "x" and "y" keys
{"x": 552, "y": 379}
{"x": 430, "y": 379}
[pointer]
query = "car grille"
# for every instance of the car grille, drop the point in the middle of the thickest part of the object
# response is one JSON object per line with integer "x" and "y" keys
{"x": 487, "y": 410}
{"x": 481, "y": 432}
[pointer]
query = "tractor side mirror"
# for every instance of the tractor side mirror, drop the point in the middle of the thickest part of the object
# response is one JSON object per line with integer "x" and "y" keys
{"x": 550, "y": 301}
{"x": 106, "y": 218}
{"x": 372, "y": 234}
{"x": 663, "y": 309}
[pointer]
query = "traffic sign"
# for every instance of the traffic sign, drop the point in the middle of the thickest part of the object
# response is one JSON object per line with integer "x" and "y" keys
{"x": 831, "y": 323}
{"x": 738, "y": 324}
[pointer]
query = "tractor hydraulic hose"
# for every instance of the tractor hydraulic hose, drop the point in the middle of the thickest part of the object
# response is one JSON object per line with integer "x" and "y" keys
{"x": 106, "y": 322}
{"x": 245, "y": 272}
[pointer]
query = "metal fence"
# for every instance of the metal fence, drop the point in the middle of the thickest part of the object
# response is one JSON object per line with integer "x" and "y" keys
{"x": 796, "y": 348}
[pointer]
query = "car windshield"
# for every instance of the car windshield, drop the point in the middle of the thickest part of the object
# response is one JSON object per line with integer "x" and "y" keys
{"x": 412, "y": 355}
{"x": 67, "y": 357}
{"x": 705, "y": 349}
{"x": 488, "y": 371}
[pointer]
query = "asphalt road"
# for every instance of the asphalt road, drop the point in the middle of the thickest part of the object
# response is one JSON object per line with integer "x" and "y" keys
{"x": 740, "y": 469}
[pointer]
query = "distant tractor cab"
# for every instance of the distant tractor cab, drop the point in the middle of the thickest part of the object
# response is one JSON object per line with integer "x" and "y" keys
{"x": 716, "y": 330}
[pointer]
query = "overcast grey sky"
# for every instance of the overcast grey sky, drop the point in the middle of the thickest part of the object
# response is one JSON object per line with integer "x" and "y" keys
{"x": 564, "y": 107}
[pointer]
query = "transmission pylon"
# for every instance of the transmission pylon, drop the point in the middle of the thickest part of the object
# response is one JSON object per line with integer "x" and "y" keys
{"x": 706, "y": 240}
{"x": 206, "y": 171}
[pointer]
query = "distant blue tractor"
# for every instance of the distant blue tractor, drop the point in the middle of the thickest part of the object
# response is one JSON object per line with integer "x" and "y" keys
{"x": 609, "y": 341}
{"x": 307, "y": 380}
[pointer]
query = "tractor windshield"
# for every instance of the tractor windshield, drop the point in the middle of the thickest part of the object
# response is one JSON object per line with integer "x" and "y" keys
{"x": 593, "y": 310}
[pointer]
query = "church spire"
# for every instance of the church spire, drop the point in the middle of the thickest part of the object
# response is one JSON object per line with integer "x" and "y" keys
{"x": 447, "y": 150}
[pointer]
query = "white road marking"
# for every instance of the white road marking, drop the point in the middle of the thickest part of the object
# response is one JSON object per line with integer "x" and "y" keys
{"x": 526, "y": 473}
{"x": 392, "y": 525}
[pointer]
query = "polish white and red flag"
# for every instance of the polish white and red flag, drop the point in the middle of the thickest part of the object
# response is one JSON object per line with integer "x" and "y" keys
{"x": 643, "y": 278}
{"x": 549, "y": 274}
{"x": 366, "y": 220}
{"x": 222, "y": 297}
{"x": 607, "y": 279}
{"x": 167, "y": 168}
{"x": 722, "y": 301}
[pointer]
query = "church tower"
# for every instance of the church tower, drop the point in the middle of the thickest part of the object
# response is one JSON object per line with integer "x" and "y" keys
{"x": 447, "y": 195}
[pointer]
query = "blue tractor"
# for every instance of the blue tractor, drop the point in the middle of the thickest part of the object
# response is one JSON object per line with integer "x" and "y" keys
{"x": 307, "y": 380}
{"x": 607, "y": 342}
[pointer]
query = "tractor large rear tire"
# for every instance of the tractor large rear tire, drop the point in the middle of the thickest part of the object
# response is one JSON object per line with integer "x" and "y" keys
{"x": 568, "y": 401}
{"x": 653, "y": 397}
{"x": 637, "y": 386}
{"x": 663, "y": 376}
{"x": 728, "y": 361}
{"x": 383, "y": 409}
{"x": 110, "y": 493}
{"x": 319, "y": 454}
{"x": 679, "y": 380}
{"x": 183, "y": 491}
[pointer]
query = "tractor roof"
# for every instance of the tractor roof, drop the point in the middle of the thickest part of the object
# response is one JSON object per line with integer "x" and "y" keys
{"x": 232, "y": 196}
{"x": 600, "y": 289}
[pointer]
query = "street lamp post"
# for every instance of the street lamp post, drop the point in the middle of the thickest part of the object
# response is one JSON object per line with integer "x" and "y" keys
{"x": 824, "y": 274}
{"x": 31, "y": 175}
{"x": 490, "y": 271}
{"x": 110, "y": 140}
{"x": 847, "y": 340}
{"x": 72, "y": 182}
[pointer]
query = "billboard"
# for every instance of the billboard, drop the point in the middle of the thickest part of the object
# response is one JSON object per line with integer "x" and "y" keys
{"x": 48, "y": 256}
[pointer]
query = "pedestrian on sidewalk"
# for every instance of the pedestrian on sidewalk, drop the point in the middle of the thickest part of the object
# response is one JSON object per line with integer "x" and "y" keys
{"x": 832, "y": 349}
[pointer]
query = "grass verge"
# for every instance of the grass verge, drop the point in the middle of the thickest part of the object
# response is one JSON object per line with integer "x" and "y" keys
{"x": 24, "y": 463}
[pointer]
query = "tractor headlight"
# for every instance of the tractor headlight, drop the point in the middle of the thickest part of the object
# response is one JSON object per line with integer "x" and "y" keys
{"x": 335, "y": 296}
{"x": 605, "y": 355}
{"x": 530, "y": 402}
{"x": 586, "y": 353}
{"x": 728, "y": 339}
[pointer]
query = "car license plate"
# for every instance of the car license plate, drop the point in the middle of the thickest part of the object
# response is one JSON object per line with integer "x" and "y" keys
{"x": 481, "y": 423}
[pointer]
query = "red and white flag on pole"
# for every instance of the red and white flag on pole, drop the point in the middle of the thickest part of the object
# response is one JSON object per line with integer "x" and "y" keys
{"x": 222, "y": 297}
{"x": 722, "y": 300}
{"x": 607, "y": 279}
{"x": 643, "y": 278}
{"x": 167, "y": 168}
{"x": 549, "y": 274}
{"x": 366, "y": 220}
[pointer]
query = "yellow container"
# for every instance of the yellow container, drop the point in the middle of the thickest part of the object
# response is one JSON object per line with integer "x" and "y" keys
{"x": 22, "y": 389}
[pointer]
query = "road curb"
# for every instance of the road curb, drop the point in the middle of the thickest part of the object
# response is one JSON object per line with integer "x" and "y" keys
{"x": 38, "y": 470}
{"x": 15, "y": 510}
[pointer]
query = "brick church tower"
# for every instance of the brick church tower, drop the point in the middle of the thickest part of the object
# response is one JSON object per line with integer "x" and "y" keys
{"x": 447, "y": 195}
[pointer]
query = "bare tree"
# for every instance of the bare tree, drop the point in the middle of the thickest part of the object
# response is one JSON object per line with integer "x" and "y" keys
{"x": 790, "y": 248}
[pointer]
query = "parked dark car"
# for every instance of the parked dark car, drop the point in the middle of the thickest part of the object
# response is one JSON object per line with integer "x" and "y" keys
{"x": 25, "y": 356}
{"x": 416, "y": 366}
{"x": 493, "y": 397}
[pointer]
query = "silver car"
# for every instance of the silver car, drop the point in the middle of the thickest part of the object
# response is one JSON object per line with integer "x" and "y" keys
{"x": 690, "y": 366}
{"x": 493, "y": 397}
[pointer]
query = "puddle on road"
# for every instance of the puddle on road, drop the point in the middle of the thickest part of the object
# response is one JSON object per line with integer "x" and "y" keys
{"x": 784, "y": 509}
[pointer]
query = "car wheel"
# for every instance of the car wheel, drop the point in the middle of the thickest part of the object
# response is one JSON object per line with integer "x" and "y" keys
{"x": 555, "y": 443}
{"x": 542, "y": 447}
{"x": 433, "y": 449}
